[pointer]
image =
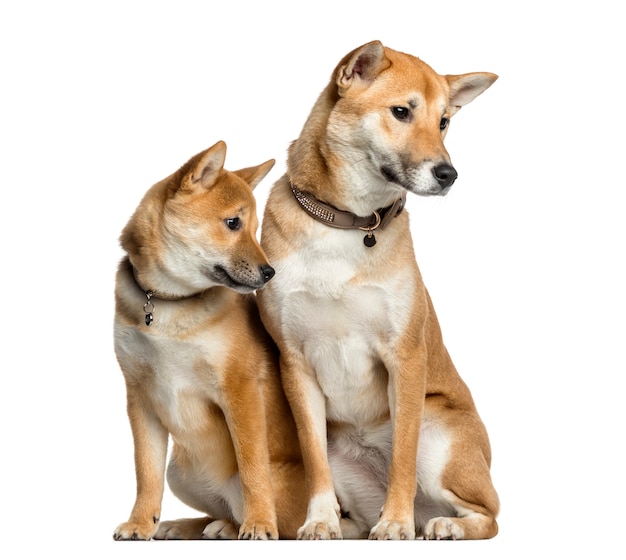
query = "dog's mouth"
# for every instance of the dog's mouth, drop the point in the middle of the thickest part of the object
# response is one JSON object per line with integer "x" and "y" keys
{"x": 221, "y": 275}
{"x": 247, "y": 282}
{"x": 436, "y": 181}
{"x": 390, "y": 175}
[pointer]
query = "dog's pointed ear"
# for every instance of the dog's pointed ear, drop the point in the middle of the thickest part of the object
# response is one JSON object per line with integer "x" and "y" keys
{"x": 208, "y": 166}
{"x": 361, "y": 66}
{"x": 254, "y": 175}
{"x": 467, "y": 87}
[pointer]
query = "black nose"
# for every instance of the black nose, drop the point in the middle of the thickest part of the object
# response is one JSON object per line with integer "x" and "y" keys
{"x": 267, "y": 272}
{"x": 445, "y": 175}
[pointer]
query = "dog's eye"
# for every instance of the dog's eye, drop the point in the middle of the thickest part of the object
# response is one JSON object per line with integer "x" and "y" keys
{"x": 401, "y": 113}
{"x": 443, "y": 124}
{"x": 233, "y": 223}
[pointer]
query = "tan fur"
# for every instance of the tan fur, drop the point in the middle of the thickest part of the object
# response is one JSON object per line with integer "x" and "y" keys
{"x": 386, "y": 424}
{"x": 205, "y": 372}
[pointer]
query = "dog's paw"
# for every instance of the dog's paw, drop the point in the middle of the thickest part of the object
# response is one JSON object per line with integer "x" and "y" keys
{"x": 182, "y": 529}
{"x": 220, "y": 529}
{"x": 133, "y": 531}
{"x": 258, "y": 531}
{"x": 440, "y": 528}
{"x": 392, "y": 531}
{"x": 319, "y": 531}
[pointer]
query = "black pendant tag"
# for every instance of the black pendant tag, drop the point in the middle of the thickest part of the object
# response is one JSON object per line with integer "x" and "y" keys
{"x": 369, "y": 240}
{"x": 149, "y": 319}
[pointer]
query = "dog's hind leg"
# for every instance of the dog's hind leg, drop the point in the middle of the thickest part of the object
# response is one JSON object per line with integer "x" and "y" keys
{"x": 182, "y": 529}
{"x": 471, "y": 521}
{"x": 470, "y": 501}
{"x": 197, "y": 528}
{"x": 350, "y": 529}
{"x": 221, "y": 529}
{"x": 472, "y": 525}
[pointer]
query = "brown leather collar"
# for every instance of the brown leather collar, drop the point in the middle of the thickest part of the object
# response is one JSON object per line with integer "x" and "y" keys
{"x": 333, "y": 217}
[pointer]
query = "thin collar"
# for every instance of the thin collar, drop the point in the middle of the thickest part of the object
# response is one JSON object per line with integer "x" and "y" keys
{"x": 342, "y": 219}
{"x": 148, "y": 306}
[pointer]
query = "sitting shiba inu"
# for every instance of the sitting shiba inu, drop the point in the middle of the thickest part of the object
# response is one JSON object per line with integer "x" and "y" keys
{"x": 388, "y": 429}
{"x": 198, "y": 364}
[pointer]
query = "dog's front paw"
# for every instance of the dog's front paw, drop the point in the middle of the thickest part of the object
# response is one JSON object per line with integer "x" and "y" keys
{"x": 319, "y": 531}
{"x": 440, "y": 528}
{"x": 258, "y": 531}
{"x": 134, "y": 531}
{"x": 392, "y": 531}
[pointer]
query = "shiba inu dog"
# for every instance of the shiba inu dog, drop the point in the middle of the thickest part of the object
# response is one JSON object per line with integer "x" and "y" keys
{"x": 198, "y": 364}
{"x": 389, "y": 431}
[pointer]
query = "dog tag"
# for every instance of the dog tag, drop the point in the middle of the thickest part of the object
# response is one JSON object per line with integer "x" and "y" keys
{"x": 369, "y": 240}
{"x": 148, "y": 308}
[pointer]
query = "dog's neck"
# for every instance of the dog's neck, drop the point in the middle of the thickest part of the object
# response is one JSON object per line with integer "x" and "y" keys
{"x": 333, "y": 217}
{"x": 149, "y": 306}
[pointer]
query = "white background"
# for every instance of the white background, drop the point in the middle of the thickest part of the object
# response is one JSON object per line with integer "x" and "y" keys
{"x": 524, "y": 258}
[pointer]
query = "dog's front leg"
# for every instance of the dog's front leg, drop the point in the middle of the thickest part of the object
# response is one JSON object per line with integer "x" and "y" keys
{"x": 246, "y": 420}
{"x": 150, "y": 440}
{"x": 407, "y": 381}
{"x": 308, "y": 405}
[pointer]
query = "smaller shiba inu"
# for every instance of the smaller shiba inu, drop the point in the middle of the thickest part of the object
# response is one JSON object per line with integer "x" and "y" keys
{"x": 199, "y": 366}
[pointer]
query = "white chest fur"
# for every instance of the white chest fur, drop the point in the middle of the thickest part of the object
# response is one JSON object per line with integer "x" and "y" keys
{"x": 343, "y": 320}
{"x": 179, "y": 375}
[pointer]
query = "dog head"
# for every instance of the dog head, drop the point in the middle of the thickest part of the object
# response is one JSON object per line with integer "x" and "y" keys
{"x": 387, "y": 117}
{"x": 197, "y": 229}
